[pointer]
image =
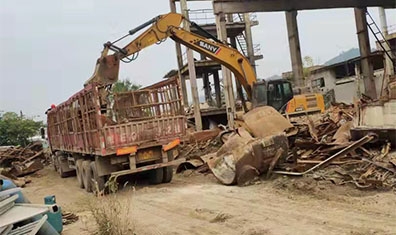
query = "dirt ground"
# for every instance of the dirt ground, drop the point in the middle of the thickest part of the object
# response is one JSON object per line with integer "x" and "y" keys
{"x": 196, "y": 204}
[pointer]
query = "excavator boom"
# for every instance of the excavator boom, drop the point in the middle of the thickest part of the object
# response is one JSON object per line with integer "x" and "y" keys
{"x": 163, "y": 27}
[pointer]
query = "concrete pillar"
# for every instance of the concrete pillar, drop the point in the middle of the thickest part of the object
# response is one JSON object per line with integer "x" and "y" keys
{"x": 294, "y": 46}
{"x": 192, "y": 73}
{"x": 216, "y": 81}
{"x": 389, "y": 68}
{"x": 364, "y": 47}
{"x": 358, "y": 79}
{"x": 183, "y": 85}
{"x": 227, "y": 82}
{"x": 249, "y": 40}
{"x": 383, "y": 21}
{"x": 237, "y": 83}
{"x": 206, "y": 84}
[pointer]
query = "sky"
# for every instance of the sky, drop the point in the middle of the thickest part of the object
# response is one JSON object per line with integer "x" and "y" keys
{"x": 48, "y": 48}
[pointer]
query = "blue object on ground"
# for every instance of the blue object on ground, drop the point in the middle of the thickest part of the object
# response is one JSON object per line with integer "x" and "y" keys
{"x": 47, "y": 228}
{"x": 54, "y": 217}
{"x": 8, "y": 184}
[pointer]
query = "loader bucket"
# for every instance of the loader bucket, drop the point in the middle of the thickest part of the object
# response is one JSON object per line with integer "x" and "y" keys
{"x": 241, "y": 164}
{"x": 265, "y": 121}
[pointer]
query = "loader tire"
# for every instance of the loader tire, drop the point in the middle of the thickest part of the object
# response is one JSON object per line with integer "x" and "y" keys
{"x": 168, "y": 174}
{"x": 156, "y": 176}
{"x": 87, "y": 175}
{"x": 79, "y": 172}
{"x": 98, "y": 182}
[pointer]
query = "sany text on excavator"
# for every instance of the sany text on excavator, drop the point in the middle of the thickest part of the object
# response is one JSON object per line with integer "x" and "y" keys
{"x": 275, "y": 93}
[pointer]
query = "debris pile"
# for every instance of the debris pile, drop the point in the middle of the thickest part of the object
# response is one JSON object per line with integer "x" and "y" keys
{"x": 354, "y": 163}
{"x": 199, "y": 145}
{"x": 324, "y": 149}
{"x": 319, "y": 146}
{"x": 19, "y": 161}
{"x": 322, "y": 128}
{"x": 248, "y": 151}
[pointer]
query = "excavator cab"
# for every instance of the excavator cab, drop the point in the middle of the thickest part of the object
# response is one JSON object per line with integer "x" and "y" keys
{"x": 275, "y": 93}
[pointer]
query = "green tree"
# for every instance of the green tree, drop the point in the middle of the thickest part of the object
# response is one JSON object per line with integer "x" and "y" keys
{"x": 307, "y": 66}
{"x": 125, "y": 85}
{"x": 16, "y": 130}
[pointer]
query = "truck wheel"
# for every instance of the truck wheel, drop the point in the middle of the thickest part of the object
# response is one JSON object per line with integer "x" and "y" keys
{"x": 60, "y": 167}
{"x": 168, "y": 174}
{"x": 98, "y": 185}
{"x": 87, "y": 175}
{"x": 157, "y": 176}
{"x": 79, "y": 172}
{"x": 168, "y": 171}
{"x": 55, "y": 163}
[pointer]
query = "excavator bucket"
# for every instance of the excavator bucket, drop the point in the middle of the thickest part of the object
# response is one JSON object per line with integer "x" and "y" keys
{"x": 106, "y": 71}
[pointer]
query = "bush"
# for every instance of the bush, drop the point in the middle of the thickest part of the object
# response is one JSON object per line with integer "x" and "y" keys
{"x": 111, "y": 215}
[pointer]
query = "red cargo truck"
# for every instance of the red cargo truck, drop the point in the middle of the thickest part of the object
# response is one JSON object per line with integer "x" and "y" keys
{"x": 100, "y": 135}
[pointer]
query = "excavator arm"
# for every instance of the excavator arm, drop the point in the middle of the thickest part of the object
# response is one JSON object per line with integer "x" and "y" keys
{"x": 165, "y": 26}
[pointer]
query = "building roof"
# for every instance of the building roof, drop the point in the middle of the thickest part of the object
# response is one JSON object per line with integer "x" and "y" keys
{"x": 344, "y": 56}
{"x": 346, "y": 61}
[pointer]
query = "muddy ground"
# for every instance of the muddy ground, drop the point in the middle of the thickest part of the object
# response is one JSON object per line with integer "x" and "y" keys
{"x": 196, "y": 204}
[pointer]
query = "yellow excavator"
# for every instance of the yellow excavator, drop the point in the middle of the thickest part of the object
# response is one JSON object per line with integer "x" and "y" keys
{"x": 275, "y": 93}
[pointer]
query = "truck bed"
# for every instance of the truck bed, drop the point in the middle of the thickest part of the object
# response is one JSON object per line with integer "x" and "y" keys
{"x": 94, "y": 121}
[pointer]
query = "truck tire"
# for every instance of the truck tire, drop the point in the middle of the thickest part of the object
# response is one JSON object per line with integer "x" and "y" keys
{"x": 156, "y": 176}
{"x": 168, "y": 174}
{"x": 98, "y": 185}
{"x": 168, "y": 171}
{"x": 79, "y": 172}
{"x": 60, "y": 167}
{"x": 54, "y": 162}
{"x": 87, "y": 175}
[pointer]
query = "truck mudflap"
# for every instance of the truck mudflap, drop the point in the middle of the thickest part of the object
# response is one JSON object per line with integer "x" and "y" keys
{"x": 115, "y": 175}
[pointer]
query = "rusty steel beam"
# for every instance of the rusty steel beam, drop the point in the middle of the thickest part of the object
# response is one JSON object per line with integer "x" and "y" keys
{"x": 243, "y": 6}
{"x": 366, "y": 139}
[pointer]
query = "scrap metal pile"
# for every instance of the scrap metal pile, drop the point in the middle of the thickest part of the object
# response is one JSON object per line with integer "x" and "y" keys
{"x": 17, "y": 161}
{"x": 324, "y": 150}
{"x": 196, "y": 146}
{"x": 318, "y": 146}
